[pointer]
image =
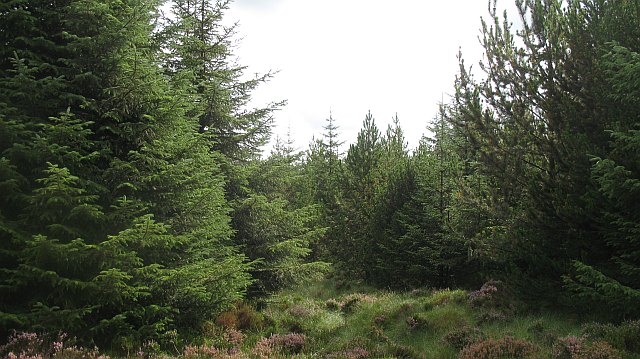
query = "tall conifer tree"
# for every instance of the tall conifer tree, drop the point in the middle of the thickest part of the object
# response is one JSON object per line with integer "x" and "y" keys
{"x": 118, "y": 230}
{"x": 533, "y": 125}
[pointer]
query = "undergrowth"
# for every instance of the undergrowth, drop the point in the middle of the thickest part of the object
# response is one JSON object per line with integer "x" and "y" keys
{"x": 330, "y": 319}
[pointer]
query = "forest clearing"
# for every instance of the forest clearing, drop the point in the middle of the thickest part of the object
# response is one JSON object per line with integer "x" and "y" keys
{"x": 139, "y": 216}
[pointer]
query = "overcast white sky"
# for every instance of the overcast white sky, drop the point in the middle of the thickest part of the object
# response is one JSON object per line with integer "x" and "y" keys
{"x": 352, "y": 56}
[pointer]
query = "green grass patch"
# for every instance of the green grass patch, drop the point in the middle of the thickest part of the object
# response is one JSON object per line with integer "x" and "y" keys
{"x": 350, "y": 319}
{"x": 329, "y": 319}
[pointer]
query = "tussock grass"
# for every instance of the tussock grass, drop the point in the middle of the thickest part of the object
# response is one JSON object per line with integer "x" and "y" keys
{"x": 344, "y": 319}
{"x": 329, "y": 319}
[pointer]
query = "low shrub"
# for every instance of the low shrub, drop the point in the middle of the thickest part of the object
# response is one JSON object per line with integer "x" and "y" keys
{"x": 263, "y": 349}
{"x": 493, "y": 295}
{"x": 227, "y": 319}
{"x": 570, "y": 347}
{"x": 291, "y": 343}
{"x": 233, "y": 337}
{"x": 355, "y": 353}
{"x": 242, "y": 317}
{"x": 490, "y": 316}
{"x": 223, "y": 338}
{"x": 413, "y": 322}
{"x": 201, "y": 351}
{"x": 485, "y": 294}
{"x": 459, "y": 338}
{"x": 504, "y": 348}
{"x": 403, "y": 351}
{"x": 22, "y": 345}
{"x": 350, "y": 304}
{"x": 600, "y": 350}
{"x": 248, "y": 317}
{"x": 378, "y": 333}
{"x": 625, "y": 336}
{"x": 299, "y": 311}
{"x": 379, "y": 320}
{"x": 26, "y": 345}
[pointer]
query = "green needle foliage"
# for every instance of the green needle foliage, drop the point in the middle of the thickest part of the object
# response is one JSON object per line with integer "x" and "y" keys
{"x": 533, "y": 125}
{"x": 531, "y": 175}
{"x": 613, "y": 278}
{"x": 276, "y": 227}
{"x": 116, "y": 228}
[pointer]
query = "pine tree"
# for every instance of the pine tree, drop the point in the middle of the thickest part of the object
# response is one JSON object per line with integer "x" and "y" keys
{"x": 533, "y": 125}
{"x": 359, "y": 193}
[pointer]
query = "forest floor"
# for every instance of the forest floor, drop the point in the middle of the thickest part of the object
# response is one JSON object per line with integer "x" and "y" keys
{"x": 335, "y": 319}
{"x": 330, "y": 319}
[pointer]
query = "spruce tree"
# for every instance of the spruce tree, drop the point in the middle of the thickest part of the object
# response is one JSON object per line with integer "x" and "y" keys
{"x": 611, "y": 277}
{"x": 276, "y": 226}
{"x": 412, "y": 223}
{"x": 117, "y": 230}
{"x": 200, "y": 53}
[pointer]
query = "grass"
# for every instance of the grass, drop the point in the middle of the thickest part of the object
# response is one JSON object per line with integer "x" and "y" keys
{"x": 329, "y": 319}
{"x": 339, "y": 318}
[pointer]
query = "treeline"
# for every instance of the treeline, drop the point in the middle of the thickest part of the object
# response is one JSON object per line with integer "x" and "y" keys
{"x": 135, "y": 205}
{"x": 532, "y": 174}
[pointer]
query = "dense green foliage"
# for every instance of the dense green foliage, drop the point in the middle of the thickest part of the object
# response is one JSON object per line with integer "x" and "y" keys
{"x": 531, "y": 174}
{"x": 275, "y": 226}
{"x": 114, "y": 217}
{"x": 544, "y": 111}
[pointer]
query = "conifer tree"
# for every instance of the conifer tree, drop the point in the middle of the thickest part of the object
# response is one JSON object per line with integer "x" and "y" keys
{"x": 276, "y": 227}
{"x": 117, "y": 230}
{"x": 411, "y": 225}
{"x": 361, "y": 163}
{"x": 324, "y": 166}
{"x": 394, "y": 153}
{"x": 533, "y": 124}
{"x": 611, "y": 277}
{"x": 200, "y": 52}
{"x": 323, "y": 173}
{"x": 199, "y": 56}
